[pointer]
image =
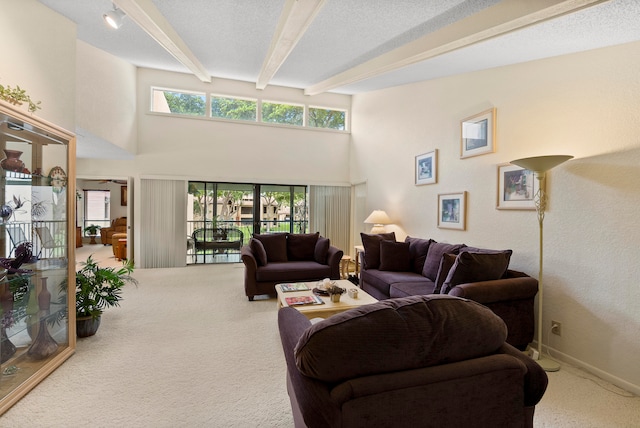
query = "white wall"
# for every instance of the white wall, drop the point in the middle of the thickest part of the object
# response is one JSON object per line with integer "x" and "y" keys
{"x": 584, "y": 105}
{"x": 39, "y": 56}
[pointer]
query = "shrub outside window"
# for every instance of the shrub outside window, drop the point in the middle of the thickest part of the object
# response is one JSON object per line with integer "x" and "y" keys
{"x": 320, "y": 117}
{"x": 289, "y": 114}
{"x": 174, "y": 102}
{"x": 233, "y": 108}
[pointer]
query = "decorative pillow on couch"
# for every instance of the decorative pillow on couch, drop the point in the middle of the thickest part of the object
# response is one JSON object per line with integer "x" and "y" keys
{"x": 476, "y": 267}
{"x": 275, "y": 244}
{"x": 418, "y": 249}
{"x": 301, "y": 246}
{"x": 394, "y": 256}
{"x": 258, "y": 251}
{"x": 434, "y": 256}
{"x": 371, "y": 244}
{"x": 321, "y": 250}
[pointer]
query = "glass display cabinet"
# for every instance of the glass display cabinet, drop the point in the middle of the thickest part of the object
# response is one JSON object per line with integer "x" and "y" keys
{"x": 37, "y": 244}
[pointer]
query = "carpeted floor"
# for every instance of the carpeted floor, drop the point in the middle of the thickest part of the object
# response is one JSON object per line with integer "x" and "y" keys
{"x": 187, "y": 349}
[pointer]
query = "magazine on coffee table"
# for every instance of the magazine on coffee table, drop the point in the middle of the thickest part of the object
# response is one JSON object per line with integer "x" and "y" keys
{"x": 295, "y": 286}
{"x": 303, "y": 300}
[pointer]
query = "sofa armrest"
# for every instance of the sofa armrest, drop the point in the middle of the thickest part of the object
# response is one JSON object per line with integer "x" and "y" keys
{"x": 535, "y": 380}
{"x": 334, "y": 255}
{"x": 249, "y": 259}
{"x": 505, "y": 289}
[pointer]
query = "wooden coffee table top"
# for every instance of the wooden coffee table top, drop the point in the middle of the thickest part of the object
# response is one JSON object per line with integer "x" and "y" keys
{"x": 328, "y": 308}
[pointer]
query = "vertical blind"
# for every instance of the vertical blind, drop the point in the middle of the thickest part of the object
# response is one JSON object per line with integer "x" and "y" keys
{"x": 163, "y": 233}
{"x": 330, "y": 209}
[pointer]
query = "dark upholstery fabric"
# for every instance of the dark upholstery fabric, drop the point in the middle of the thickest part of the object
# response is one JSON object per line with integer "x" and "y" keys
{"x": 293, "y": 271}
{"x": 411, "y": 288}
{"x": 418, "y": 249}
{"x": 275, "y": 245}
{"x": 434, "y": 255}
{"x": 418, "y": 331}
{"x": 489, "y": 251}
{"x": 476, "y": 267}
{"x": 321, "y": 250}
{"x": 371, "y": 244}
{"x": 377, "y": 282}
{"x": 259, "y": 251}
{"x": 394, "y": 256}
{"x": 446, "y": 263}
{"x": 301, "y": 246}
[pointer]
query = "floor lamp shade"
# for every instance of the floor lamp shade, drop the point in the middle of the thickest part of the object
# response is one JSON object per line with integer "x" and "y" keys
{"x": 378, "y": 218}
{"x": 540, "y": 165}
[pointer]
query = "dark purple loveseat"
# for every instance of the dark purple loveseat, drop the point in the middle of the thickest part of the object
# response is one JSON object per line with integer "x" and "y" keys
{"x": 270, "y": 259}
{"x": 419, "y": 361}
{"x": 423, "y": 266}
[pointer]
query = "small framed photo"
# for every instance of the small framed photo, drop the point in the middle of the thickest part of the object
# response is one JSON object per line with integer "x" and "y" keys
{"x": 478, "y": 134}
{"x": 452, "y": 209}
{"x": 123, "y": 196}
{"x": 517, "y": 188}
{"x": 427, "y": 168}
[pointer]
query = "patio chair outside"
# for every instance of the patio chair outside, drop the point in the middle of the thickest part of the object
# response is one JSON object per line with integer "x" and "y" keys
{"x": 48, "y": 242}
{"x": 16, "y": 236}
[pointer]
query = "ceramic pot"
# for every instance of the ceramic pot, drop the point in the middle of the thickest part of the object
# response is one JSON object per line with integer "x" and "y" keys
{"x": 335, "y": 297}
{"x": 87, "y": 326}
{"x": 12, "y": 161}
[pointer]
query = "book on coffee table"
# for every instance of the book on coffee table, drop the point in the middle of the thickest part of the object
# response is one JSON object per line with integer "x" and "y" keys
{"x": 296, "y": 286}
{"x": 303, "y": 300}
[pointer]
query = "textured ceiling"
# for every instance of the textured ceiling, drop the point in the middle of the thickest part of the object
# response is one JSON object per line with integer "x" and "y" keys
{"x": 231, "y": 38}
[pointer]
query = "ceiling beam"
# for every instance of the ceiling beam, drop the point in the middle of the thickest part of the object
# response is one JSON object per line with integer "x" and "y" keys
{"x": 296, "y": 17}
{"x": 148, "y": 17}
{"x": 502, "y": 18}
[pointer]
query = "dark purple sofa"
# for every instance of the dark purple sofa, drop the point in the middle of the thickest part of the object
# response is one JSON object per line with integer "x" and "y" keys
{"x": 419, "y": 361}
{"x": 423, "y": 266}
{"x": 270, "y": 259}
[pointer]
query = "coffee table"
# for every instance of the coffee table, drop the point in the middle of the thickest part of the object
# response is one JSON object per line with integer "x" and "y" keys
{"x": 328, "y": 308}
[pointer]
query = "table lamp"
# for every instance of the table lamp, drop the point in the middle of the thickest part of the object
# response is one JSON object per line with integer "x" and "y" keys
{"x": 378, "y": 218}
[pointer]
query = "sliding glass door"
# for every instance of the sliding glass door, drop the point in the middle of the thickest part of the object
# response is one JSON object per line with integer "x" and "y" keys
{"x": 221, "y": 217}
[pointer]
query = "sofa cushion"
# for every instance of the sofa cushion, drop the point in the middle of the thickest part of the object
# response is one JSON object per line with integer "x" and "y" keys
{"x": 446, "y": 263}
{"x": 321, "y": 250}
{"x": 381, "y": 280}
{"x": 301, "y": 246}
{"x": 394, "y": 256}
{"x": 411, "y": 288}
{"x": 371, "y": 244}
{"x": 418, "y": 331}
{"x": 258, "y": 251}
{"x": 418, "y": 248}
{"x": 476, "y": 267}
{"x": 292, "y": 271}
{"x": 275, "y": 244}
{"x": 434, "y": 255}
{"x": 489, "y": 251}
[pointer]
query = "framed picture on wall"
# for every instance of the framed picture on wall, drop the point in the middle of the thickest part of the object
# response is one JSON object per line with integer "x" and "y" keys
{"x": 452, "y": 209}
{"x": 478, "y": 134}
{"x": 123, "y": 196}
{"x": 426, "y": 168}
{"x": 517, "y": 188}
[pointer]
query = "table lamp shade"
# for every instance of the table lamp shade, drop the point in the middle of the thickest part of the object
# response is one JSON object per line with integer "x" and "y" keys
{"x": 378, "y": 218}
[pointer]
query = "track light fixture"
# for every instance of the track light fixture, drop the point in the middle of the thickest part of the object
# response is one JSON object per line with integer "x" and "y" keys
{"x": 114, "y": 17}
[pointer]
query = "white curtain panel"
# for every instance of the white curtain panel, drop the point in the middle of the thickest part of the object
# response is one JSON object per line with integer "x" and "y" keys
{"x": 330, "y": 208}
{"x": 163, "y": 234}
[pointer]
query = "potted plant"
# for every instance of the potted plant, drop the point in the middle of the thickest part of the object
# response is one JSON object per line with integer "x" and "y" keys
{"x": 335, "y": 292}
{"x": 98, "y": 288}
{"x": 92, "y": 231}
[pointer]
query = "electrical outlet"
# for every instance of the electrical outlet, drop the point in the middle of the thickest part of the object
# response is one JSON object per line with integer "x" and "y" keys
{"x": 556, "y": 328}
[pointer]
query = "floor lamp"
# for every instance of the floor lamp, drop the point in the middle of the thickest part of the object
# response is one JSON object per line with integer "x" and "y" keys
{"x": 540, "y": 165}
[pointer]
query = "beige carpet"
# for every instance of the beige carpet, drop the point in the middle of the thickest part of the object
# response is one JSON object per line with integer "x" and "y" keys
{"x": 187, "y": 349}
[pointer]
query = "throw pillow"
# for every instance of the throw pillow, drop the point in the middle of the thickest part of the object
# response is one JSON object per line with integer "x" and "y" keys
{"x": 507, "y": 253}
{"x": 275, "y": 245}
{"x": 321, "y": 250}
{"x": 301, "y": 246}
{"x": 395, "y": 256}
{"x": 258, "y": 251}
{"x": 418, "y": 249}
{"x": 434, "y": 255}
{"x": 446, "y": 263}
{"x": 476, "y": 267}
{"x": 371, "y": 244}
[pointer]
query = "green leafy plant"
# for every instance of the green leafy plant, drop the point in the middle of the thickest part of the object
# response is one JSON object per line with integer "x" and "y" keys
{"x": 334, "y": 289}
{"x": 98, "y": 288}
{"x": 92, "y": 229}
{"x": 17, "y": 96}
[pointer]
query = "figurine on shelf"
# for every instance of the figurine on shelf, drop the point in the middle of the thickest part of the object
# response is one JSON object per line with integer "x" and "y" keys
{"x": 23, "y": 255}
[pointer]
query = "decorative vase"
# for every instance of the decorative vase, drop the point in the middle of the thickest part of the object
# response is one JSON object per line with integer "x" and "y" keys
{"x": 12, "y": 161}
{"x": 44, "y": 345}
{"x": 7, "y": 349}
{"x": 335, "y": 297}
{"x": 87, "y": 326}
{"x": 44, "y": 297}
